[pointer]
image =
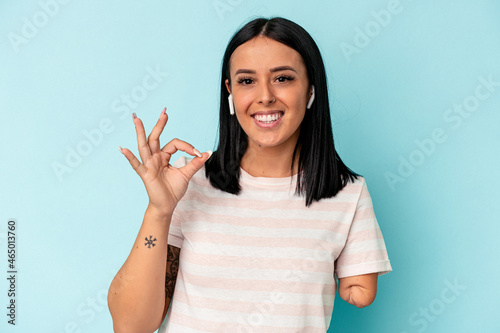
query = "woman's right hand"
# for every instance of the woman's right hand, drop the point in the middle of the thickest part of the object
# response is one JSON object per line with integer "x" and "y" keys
{"x": 165, "y": 184}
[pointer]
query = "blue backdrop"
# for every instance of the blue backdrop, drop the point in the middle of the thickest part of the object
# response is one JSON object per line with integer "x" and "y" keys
{"x": 415, "y": 93}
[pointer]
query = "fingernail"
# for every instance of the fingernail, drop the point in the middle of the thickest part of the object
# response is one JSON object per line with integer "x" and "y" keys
{"x": 210, "y": 153}
{"x": 164, "y": 110}
{"x": 134, "y": 115}
{"x": 121, "y": 149}
{"x": 197, "y": 152}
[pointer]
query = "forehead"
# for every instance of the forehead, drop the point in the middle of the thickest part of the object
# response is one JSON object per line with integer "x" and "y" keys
{"x": 262, "y": 53}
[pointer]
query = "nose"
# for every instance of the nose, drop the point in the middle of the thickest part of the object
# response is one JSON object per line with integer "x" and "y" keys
{"x": 266, "y": 95}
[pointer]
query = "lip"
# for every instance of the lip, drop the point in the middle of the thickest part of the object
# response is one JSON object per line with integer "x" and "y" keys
{"x": 270, "y": 125}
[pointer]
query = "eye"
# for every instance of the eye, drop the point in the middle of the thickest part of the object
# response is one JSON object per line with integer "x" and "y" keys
{"x": 245, "y": 80}
{"x": 284, "y": 78}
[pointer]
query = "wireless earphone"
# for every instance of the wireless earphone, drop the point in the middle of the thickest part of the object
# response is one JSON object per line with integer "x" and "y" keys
{"x": 231, "y": 104}
{"x": 311, "y": 100}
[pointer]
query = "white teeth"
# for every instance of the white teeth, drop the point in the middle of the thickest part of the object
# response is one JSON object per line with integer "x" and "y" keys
{"x": 269, "y": 118}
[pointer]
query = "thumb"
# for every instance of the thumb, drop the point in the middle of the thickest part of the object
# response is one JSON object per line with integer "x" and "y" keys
{"x": 196, "y": 164}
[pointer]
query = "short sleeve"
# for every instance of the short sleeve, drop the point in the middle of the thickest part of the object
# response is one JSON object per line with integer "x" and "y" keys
{"x": 364, "y": 251}
{"x": 175, "y": 236}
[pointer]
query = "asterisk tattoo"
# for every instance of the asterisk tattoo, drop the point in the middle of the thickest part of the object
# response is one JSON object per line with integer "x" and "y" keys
{"x": 150, "y": 242}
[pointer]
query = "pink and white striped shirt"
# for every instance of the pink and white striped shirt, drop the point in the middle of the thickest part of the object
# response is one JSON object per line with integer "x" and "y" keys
{"x": 262, "y": 261}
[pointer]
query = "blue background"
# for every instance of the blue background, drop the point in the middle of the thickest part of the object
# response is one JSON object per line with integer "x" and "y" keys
{"x": 66, "y": 69}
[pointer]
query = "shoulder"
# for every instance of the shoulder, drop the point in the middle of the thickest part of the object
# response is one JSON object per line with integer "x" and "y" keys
{"x": 359, "y": 180}
{"x": 355, "y": 186}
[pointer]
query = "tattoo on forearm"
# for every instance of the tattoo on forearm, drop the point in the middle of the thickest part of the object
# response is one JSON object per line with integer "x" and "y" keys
{"x": 172, "y": 269}
{"x": 150, "y": 242}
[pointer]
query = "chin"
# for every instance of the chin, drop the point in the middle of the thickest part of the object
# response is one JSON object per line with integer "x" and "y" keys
{"x": 266, "y": 144}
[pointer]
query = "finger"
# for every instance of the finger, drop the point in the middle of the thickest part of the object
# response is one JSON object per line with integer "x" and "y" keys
{"x": 154, "y": 136}
{"x": 176, "y": 145}
{"x": 134, "y": 162}
{"x": 196, "y": 164}
{"x": 142, "y": 144}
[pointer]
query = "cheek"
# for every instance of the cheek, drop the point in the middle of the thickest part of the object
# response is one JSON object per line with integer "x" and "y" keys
{"x": 242, "y": 102}
{"x": 293, "y": 98}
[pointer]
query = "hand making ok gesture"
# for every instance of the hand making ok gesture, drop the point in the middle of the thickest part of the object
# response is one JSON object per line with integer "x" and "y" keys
{"x": 165, "y": 184}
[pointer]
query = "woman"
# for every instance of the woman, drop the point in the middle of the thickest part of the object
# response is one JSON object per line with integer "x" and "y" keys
{"x": 254, "y": 237}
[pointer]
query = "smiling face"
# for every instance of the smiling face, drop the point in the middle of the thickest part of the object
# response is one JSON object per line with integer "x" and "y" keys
{"x": 270, "y": 91}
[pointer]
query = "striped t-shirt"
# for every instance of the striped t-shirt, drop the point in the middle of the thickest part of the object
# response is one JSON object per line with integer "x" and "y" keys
{"x": 262, "y": 261}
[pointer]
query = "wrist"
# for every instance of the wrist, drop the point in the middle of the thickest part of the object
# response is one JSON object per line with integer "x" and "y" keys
{"x": 159, "y": 213}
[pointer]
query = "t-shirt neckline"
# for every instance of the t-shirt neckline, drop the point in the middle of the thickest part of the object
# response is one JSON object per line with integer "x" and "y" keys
{"x": 245, "y": 176}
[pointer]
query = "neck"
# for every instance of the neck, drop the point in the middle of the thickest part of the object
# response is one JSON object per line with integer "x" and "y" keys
{"x": 272, "y": 162}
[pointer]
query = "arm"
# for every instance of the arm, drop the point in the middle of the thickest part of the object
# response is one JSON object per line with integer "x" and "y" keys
{"x": 136, "y": 296}
{"x": 171, "y": 275}
{"x": 359, "y": 290}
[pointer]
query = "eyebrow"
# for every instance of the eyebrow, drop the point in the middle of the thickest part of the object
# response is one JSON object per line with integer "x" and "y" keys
{"x": 272, "y": 70}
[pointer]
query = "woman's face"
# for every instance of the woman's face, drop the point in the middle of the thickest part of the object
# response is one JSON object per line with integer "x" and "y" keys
{"x": 270, "y": 91}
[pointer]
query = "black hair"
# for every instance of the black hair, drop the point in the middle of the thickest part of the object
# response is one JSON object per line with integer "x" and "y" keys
{"x": 322, "y": 174}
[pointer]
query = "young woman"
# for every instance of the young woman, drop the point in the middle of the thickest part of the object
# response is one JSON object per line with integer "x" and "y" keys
{"x": 253, "y": 234}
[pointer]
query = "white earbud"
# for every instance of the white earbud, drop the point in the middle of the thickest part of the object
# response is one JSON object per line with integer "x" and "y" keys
{"x": 231, "y": 104}
{"x": 311, "y": 99}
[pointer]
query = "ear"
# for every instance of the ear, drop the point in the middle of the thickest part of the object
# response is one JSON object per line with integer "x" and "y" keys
{"x": 228, "y": 86}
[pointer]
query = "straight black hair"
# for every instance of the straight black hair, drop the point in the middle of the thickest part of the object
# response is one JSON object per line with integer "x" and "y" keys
{"x": 322, "y": 174}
